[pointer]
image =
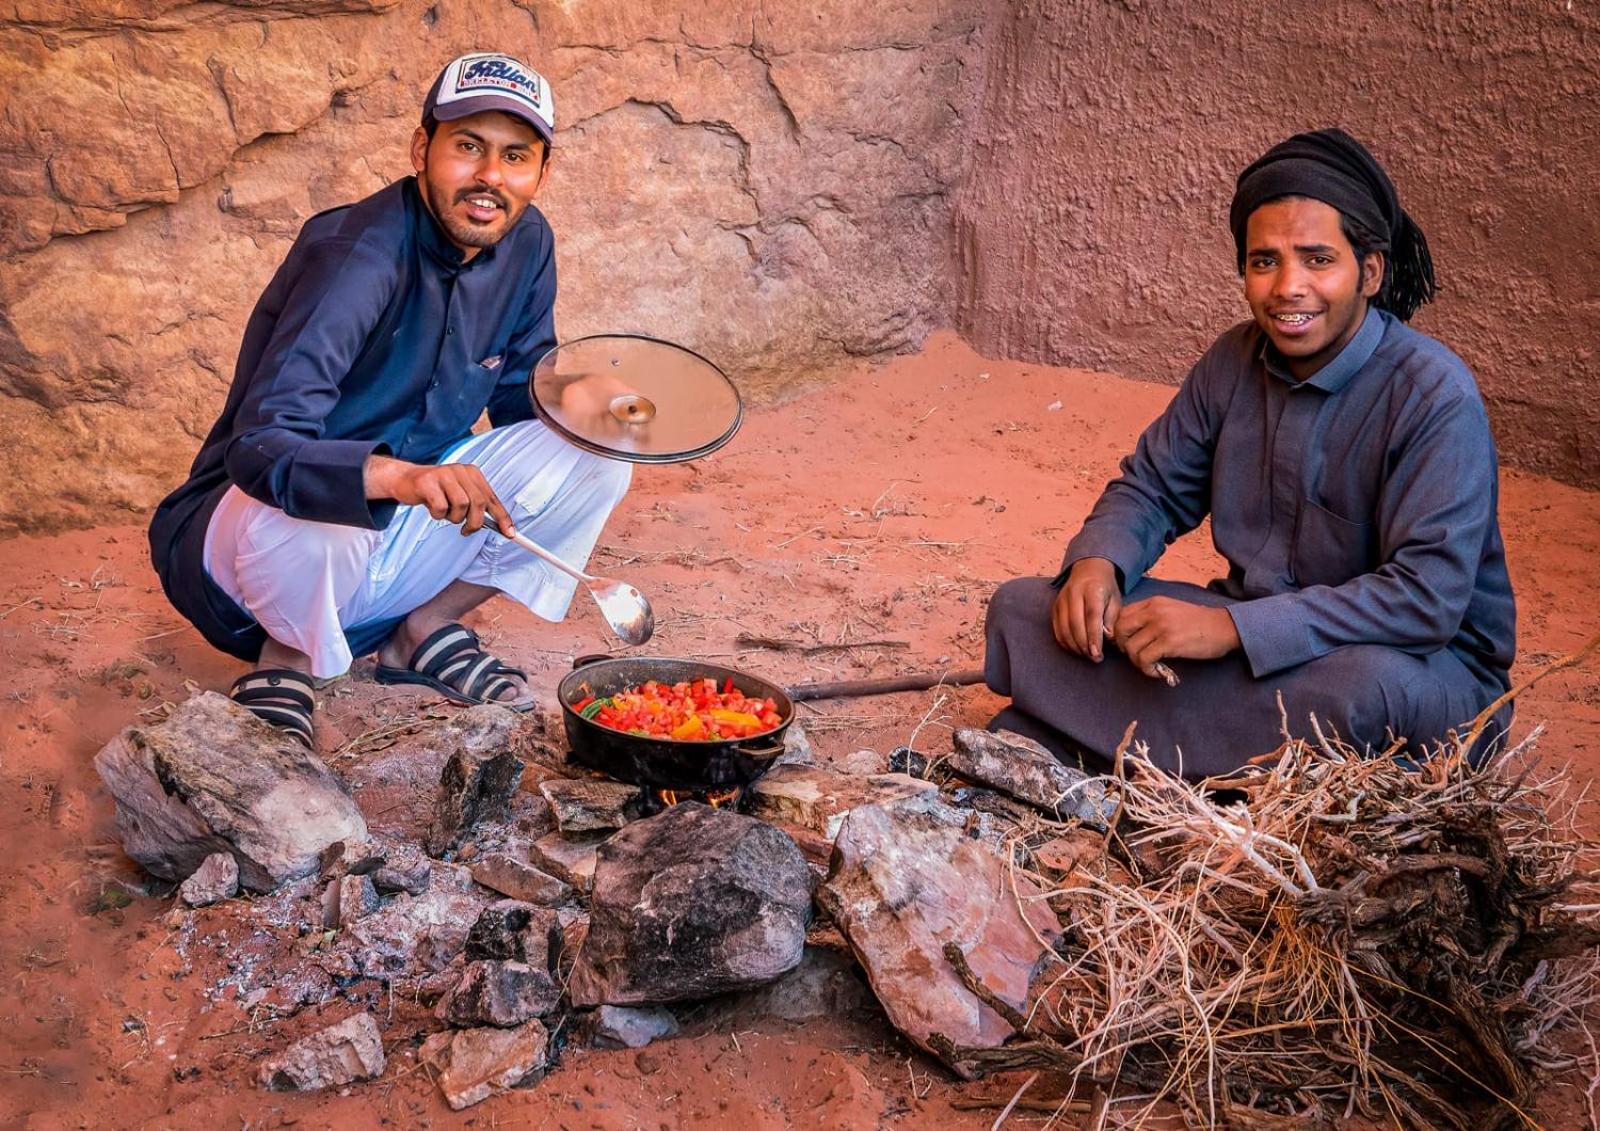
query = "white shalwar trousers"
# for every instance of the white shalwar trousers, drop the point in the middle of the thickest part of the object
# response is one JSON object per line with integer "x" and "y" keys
{"x": 306, "y": 582}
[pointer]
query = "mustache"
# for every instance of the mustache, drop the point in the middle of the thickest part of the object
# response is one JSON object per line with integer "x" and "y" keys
{"x": 489, "y": 192}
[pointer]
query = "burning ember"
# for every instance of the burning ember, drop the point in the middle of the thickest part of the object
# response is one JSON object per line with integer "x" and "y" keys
{"x": 716, "y": 798}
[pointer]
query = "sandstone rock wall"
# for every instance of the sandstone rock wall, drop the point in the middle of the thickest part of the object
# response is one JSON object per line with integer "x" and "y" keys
{"x": 766, "y": 182}
{"x": 1091, "y": 227}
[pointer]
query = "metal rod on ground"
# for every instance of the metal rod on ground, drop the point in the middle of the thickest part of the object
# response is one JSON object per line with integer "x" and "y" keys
{"x": 851, "y": 688}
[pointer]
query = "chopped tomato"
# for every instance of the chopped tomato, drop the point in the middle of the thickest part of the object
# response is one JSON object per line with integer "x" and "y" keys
{"x": 690, "y": 711}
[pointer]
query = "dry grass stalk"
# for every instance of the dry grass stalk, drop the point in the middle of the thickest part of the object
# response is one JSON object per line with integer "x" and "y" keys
{"x": 1345, "y": 935}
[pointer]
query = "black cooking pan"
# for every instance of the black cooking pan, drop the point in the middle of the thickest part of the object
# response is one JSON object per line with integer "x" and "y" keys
{"x": 667, "y": 763}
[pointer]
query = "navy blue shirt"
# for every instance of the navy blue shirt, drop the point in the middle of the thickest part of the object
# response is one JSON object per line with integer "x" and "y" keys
{"x": 373, "y": 337}
{"x": 1359, "y": 506}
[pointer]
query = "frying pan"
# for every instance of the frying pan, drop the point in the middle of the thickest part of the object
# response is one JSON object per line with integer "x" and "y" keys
{"x": 666, "y": 763}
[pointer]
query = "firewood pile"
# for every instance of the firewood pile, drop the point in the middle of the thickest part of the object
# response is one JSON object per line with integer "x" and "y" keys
{"x": 1320, "y": 936}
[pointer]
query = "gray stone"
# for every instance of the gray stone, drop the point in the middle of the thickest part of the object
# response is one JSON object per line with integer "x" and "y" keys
{"x": 797, "y": 749}
{"x": 825, "y": 984}
{"x": 587, "y": 805}
{"x": 1022, "y": 768}
{"x": 500, "y": 993}
{"x": 473, "y": 1064}
{"x": 516, "y": 931}
{"x": 907, "y": 882}
{"x": 478, "y": 778}
{"x": 404, "y": 869}
{"x": 214, "y": 778}
{"x": 692, "y": 902}
{"x": 862, "y": 763}
{"x": 340, "y": 1054}
{"x": 571, "y": 861}
{"x": 412, "y": 935}
{"x": 819, "y": 799}
{"x": 622, "y": 1027}
{"x": 519, "y": 880}
{"x": 216, "y": 878}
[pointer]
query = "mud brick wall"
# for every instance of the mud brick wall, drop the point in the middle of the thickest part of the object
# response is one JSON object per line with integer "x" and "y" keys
{"x": 1092, "y": 224}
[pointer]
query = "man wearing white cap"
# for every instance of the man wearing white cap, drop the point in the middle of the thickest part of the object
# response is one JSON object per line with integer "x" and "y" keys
{"x": 337, "y": 506}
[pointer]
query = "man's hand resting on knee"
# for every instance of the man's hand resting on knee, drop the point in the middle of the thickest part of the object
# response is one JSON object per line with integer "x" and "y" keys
{"x": 1163, "y": 628}
{"x": 455, "y": 492}
{"x": 1087, "y": 607}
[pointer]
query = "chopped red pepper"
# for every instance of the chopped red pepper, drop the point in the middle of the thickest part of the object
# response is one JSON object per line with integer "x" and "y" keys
{"x": 690, "y": 711}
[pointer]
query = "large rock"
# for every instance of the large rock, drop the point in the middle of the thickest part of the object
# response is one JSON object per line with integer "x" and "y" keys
{"x": 692, "y": 902}
{"x": 474, "y": 1064}
{"x": 479, "y": 776}
{"x": 1019, "y": 766}
{"x": 214, "y": 778}
{"x": 340, "y": 1054}
{"x": 907, "y": 882}
{"x": 820, "y": 800}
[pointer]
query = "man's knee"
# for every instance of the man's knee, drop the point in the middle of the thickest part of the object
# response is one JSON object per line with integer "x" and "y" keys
{"x": 272, "y": 540}
{"x": 1369, "y": 694}
{"x": 1020, "y": 602}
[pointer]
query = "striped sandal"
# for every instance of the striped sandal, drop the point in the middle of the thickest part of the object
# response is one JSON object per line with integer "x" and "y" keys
{"x": 451, "y": 662}
{"x": 278, "y": 697}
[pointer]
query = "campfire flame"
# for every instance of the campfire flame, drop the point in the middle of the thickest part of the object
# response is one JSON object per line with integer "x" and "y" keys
{"x": 716, "y": 798}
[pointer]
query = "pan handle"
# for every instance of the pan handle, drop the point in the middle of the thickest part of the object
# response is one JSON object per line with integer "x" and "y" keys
{"x": 851, "y": 688}
{"x": 763, "y": 751}
{"x": 590, "y": 658}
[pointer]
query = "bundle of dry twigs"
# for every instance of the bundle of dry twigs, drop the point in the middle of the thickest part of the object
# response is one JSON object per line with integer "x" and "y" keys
{"x": 1330, "y": 934}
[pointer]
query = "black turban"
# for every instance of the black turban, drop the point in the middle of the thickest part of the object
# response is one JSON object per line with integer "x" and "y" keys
{"x": 1333, "y": 167}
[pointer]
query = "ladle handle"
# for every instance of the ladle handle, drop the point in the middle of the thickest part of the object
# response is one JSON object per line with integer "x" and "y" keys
{"x": 537, "y": 550}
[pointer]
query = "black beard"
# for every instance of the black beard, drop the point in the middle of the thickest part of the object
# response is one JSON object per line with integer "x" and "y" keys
{"x": 461, "y": 234}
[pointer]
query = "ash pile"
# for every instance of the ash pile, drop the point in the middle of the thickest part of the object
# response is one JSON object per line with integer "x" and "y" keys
{"x": 1326, "y": 934}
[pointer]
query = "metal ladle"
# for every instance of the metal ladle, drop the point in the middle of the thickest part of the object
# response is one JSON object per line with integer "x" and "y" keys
{"x": 624, "y": 608}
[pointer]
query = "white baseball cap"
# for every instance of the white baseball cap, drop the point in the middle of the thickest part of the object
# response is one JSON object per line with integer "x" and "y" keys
{"x": 489, "y": 81}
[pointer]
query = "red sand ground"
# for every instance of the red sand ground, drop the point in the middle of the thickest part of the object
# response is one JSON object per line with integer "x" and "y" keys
{"x": 883, "y": 507}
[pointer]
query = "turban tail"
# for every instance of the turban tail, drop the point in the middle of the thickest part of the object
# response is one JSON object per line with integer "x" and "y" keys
{"x": 1335, "y": 168}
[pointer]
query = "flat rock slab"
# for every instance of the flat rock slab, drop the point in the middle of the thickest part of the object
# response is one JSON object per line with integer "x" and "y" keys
{"x": 340, "y": 1054}
{"x": 692, "y": 902}
{"x": 216, "y": 879}
{"x": 479, "y": 776}
{"x": 1022, "y": 768}
{"x": 587, "y": 805}
{"x": 474, "y": 1064}
{"x": 214, "y": 778}
{"x": 905, "y": 883}
{"x": 504, "y": 873}
{"x": 572, "y": 861}
{"x": 820, "y": 800}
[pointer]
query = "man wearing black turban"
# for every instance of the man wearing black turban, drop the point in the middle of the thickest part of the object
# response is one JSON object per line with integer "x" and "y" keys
{"x": 1346, "y": 464}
